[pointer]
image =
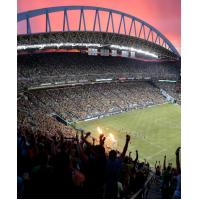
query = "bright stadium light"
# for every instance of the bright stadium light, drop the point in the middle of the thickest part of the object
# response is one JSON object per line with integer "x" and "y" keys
{"x": 58, "y": 45}
{"x": 69, "y": 44}
{"x": 133, "y": 49}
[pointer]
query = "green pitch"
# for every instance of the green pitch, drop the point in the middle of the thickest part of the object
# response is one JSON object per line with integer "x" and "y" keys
{"x": 155, "y": 131}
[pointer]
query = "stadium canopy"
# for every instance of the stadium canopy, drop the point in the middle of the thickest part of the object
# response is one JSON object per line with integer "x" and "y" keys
{"x": 136, "y": 32}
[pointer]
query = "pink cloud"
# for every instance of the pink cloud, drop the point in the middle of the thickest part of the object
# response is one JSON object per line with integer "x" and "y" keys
{"x": 165, "y": 15}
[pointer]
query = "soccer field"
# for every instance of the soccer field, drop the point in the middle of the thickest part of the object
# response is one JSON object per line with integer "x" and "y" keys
{"x": 155, "y": 131}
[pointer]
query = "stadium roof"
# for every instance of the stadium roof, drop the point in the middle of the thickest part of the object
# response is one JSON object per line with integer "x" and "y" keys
{"x": 136, "y": 33}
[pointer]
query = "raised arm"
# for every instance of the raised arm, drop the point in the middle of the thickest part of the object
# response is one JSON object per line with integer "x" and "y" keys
{"x": 80, "y": 149}
{"x": 125, "y": 146}
{"x": 84, "y": 138}
{"x": 164, "y": 163}
{"x": 178, "y": 166}
{"x": 156, "y": 164}
{"x": 136, "y": 159}
{"x": 102, "y": 139}
{"x": 93, "y": 141}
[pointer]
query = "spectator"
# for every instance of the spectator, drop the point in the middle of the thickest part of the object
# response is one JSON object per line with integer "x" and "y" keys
{"x": 113, "y": 168}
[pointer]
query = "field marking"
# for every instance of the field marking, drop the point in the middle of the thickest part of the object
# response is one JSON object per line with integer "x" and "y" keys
{"x": 170, "y": 156}
{"x": 140, "y": 132}
{"x": 150, "y": 157}
{"x": 154, "y": 144}
{"x": 140, "y": 138}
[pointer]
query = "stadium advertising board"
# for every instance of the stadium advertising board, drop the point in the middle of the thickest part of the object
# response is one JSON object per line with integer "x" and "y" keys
{"x": 125, "y": 54}
{"x": 92, "y": 52}
{"x": 132, "y": 54}
{"x": 104, "y": 52}
{"x": 114, "y": 52}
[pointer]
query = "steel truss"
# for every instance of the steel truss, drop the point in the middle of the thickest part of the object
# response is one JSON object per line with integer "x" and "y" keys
{"x": 146, "y": 32}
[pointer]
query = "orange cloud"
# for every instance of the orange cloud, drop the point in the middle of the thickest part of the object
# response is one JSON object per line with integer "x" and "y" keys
{"x": 165, "y": 15}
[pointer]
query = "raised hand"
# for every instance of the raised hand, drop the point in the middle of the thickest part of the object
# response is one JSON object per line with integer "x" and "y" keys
{"x": 164, "y": 163}
{"x": 178, "y": 150}
{"x": 178, "y": 165}
{"x": 101, "y": 136}
{"x": 136, "y": 158}
{"x": 128, "y": 137}
{"x": 156, "y": 164}
{"x": 87, "y": 134}
{"x": 77, "y": 136}
{"x": 82, "y": 135}
{"x": 93, "y": 141}
{"x": 102, "y": 139}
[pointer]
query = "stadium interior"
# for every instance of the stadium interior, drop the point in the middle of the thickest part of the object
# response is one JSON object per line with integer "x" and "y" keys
{"x": 77, "y": 87}
{"x": 57, "y": 88}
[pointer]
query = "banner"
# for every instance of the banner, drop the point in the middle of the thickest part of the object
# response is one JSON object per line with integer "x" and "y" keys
{"x": 114, "y": 52}
{"x": 104, "y": 52}
{"x": 132, "y": 54}
{"x": 125, "y": 54}
{"x": 92, "y": 52}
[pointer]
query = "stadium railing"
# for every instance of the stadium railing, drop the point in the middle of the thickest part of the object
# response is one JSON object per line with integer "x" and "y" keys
{"x": 143, "y": 192}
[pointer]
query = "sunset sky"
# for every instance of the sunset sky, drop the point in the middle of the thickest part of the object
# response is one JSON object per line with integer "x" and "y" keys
{"x": 165, "y": 15}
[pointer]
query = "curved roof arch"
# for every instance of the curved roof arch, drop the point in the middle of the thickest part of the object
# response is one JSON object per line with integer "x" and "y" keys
{"x": 143, "y": 25}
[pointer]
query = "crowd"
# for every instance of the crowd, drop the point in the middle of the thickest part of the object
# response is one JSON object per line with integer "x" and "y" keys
{"x": 57, "y": 166}
{"x": 36, "y": 69}
{"x": 173, "y": 89}
{"x": 52, "y": 166}
{"x": 92, "y": 100}
{"x": 169, "y": 178}
{"x": 56, "y": 161}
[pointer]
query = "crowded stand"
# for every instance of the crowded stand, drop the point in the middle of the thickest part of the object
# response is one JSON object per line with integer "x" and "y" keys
{"x": 56, "y": 160}
{"x": 172, "y": 88}
{"x": 54, "y": 166}
{"x": 36, "y": 69}
{"x": 93, "y": 100}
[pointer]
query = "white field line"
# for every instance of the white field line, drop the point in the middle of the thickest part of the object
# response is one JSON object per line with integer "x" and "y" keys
{"x": 141, "y": 138}
{"x": 153, "y": 144}
{"x": 170, "y": 156}
{"x": 149, "y": 157}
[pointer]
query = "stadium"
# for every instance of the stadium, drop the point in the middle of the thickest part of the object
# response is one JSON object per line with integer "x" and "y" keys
{"x": 98, "y": 106}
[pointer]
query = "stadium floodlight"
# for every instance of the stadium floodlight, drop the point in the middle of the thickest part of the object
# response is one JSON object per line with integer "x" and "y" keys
{"x": 96, "y": 45}
{"x": 58, "y": 45}
{"x": 134, "y": 50}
